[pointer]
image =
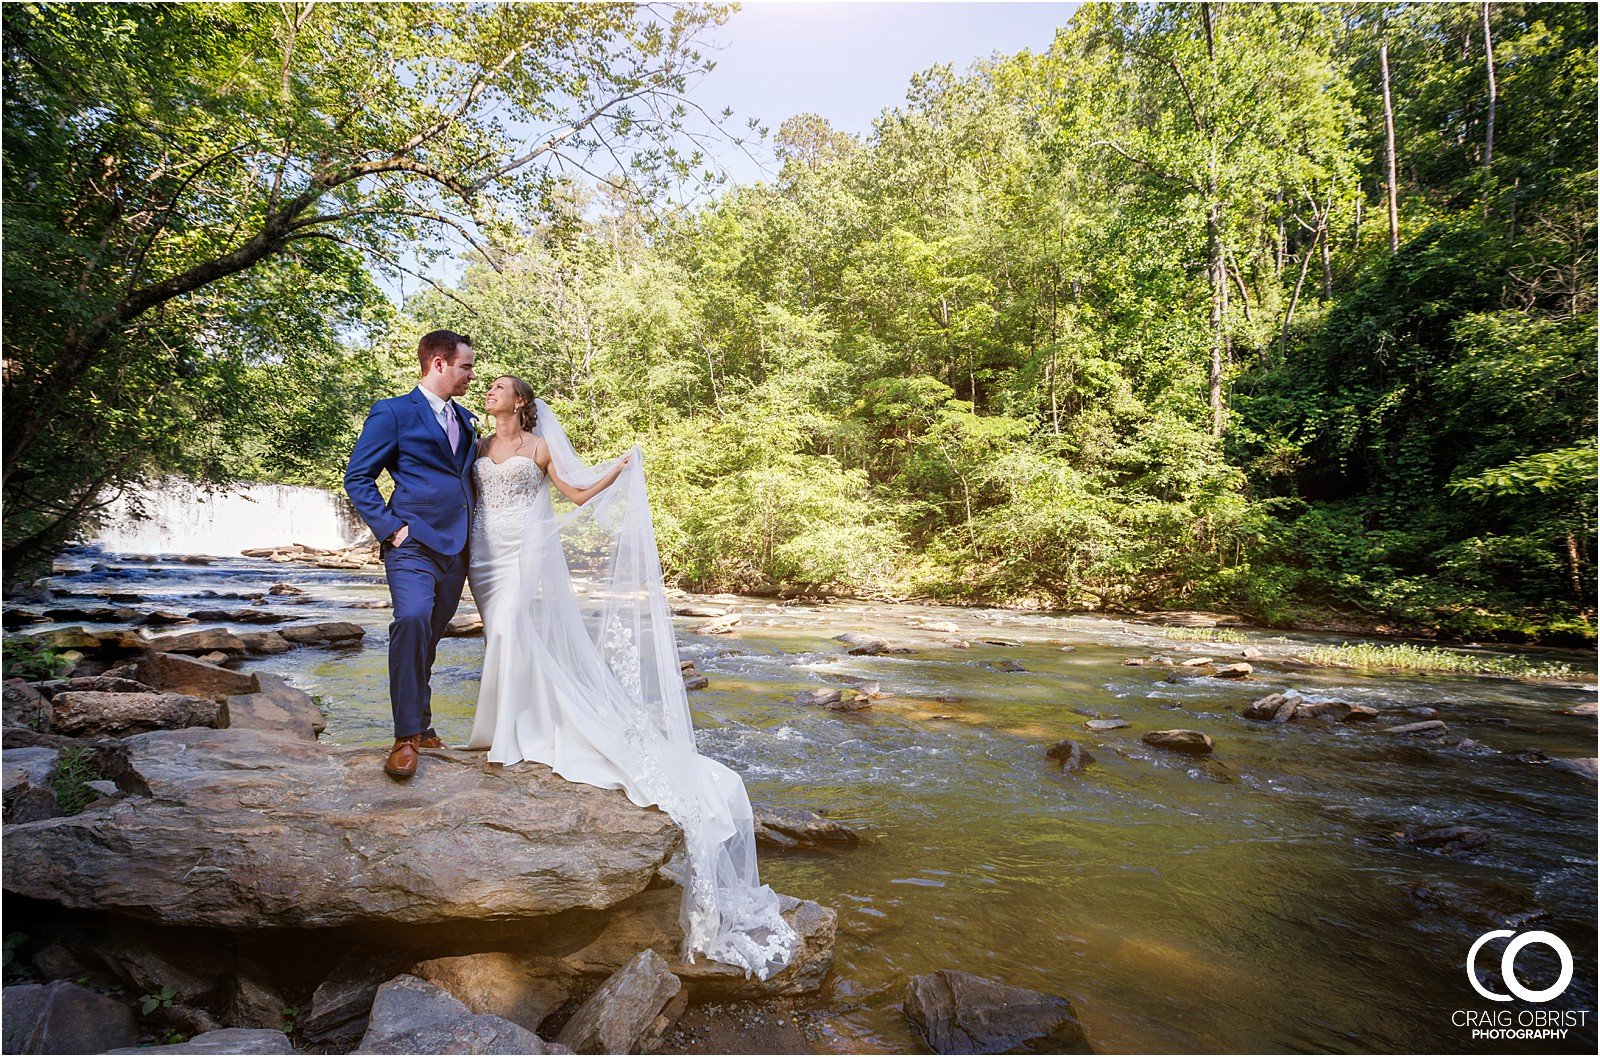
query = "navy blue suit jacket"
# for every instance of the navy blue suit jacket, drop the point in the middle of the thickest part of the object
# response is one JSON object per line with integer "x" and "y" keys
{"x": 432, "y": 484}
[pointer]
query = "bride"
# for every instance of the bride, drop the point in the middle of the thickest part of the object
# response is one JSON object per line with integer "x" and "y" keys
{"x": 583, "y": 674}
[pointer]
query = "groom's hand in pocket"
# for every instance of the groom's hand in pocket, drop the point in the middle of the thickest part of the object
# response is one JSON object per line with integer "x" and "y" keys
{"x": 400, "y": 535}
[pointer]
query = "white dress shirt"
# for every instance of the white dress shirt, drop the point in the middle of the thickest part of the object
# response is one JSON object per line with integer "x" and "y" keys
{"x": 442, "y": 408}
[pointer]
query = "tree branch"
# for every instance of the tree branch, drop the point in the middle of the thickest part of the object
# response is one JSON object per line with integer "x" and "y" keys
{"x": 331, "y": 237}
{"x": 1149, "y": 166}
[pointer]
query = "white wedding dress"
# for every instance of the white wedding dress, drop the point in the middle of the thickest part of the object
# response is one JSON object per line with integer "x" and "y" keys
{"x": 585, "y": 677}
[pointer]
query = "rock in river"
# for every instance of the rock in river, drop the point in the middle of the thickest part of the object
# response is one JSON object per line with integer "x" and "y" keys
{"x": 1071, "y": 755}
{"x": 789, "y": 827}
{"x": 1428, "y": 728}
{"x": 863, "y": 645}
{"x": 959, "y": 1012}
{"x": 1582, "y": 766}
{"x": 331, "y": 633}
{"x": 1274, "y": 708}
{"x": 1450, "y": 840}
{"x": 1188, "y": 742}
{"x": 835, "y": 700}
{"x": 203, "y": 641}
{"x": 246, "y": 829}
{"x": 464, "y": 626}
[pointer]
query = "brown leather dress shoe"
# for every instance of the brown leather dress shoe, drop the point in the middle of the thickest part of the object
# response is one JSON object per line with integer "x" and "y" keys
{"x": 402, "y": 761}
{"x": 430, "y": 743}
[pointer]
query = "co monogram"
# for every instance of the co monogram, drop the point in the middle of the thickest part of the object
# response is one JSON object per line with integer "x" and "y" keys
{"x": 1508, "y": 966}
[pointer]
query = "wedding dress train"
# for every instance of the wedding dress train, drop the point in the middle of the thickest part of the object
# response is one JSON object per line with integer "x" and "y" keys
{"x": 582, "y": 674}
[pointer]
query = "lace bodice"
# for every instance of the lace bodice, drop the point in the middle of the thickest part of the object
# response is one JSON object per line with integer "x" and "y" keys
{"x": 505, "y": 491}
{"x": 512, "y": 483}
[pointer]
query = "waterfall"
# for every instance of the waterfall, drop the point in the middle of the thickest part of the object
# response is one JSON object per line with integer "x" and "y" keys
{"x": 179, "y": 517}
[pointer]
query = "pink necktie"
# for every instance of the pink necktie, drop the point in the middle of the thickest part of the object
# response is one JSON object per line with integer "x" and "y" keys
{"x": 451, "y": 428}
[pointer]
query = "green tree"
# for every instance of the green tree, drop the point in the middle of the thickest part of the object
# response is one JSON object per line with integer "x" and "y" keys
{"x": 193, "y": 189}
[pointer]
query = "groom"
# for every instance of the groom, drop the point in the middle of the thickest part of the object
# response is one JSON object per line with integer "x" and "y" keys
{"x": 426, "y": 442}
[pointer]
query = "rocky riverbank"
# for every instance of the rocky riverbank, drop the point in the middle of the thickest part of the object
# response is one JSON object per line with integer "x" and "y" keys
{"x": 174, "y": 827}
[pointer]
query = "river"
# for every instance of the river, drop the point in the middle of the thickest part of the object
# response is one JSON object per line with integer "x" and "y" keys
{"x": 1252, "y": 902}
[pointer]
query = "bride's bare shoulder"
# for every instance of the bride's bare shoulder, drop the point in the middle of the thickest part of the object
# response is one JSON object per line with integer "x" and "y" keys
{"x": 541, "y": 450}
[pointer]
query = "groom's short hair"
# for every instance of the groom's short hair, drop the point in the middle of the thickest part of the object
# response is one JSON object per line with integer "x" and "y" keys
{"x": 443, "y": 343}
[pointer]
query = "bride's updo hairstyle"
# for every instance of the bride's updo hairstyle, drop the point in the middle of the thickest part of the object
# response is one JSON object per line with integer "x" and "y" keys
{"x": 528, "y": 413}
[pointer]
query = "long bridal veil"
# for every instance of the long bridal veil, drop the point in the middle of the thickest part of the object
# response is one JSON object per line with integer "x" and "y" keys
{"x": 589, "y": 591}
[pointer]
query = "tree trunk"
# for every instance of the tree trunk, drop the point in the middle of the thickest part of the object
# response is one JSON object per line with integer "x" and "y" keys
{"x": 1217, "y": 265}
{"x": 1575, "y": 565}
{"x": 1281, "y": 250}
{"x": 1325, "y": 223}
{"x": 1388, "y": 128}
{"x": 1216, "y": 270}
{"x": 1488, "y": 57}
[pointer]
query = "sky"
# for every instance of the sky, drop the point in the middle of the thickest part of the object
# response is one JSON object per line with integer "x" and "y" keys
{"x": 846, "y": 62}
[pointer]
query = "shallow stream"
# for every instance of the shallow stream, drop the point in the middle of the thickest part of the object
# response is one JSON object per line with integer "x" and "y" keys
{"x": 1255, "y": 901}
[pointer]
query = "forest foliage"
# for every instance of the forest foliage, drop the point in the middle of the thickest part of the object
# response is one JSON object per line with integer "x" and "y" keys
{"x": 1119, "y": 325}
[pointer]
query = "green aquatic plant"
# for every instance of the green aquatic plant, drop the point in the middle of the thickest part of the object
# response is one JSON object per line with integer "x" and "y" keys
{"x": 1411, "y": 658}
{"x": 1203, "y": 635}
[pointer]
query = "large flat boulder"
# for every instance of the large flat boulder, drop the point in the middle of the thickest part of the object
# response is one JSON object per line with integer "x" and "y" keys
{"x": 250, "y": 829}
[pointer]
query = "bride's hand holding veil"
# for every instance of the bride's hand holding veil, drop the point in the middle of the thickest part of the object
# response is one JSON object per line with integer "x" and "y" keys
{"x": 580, "y": 496}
